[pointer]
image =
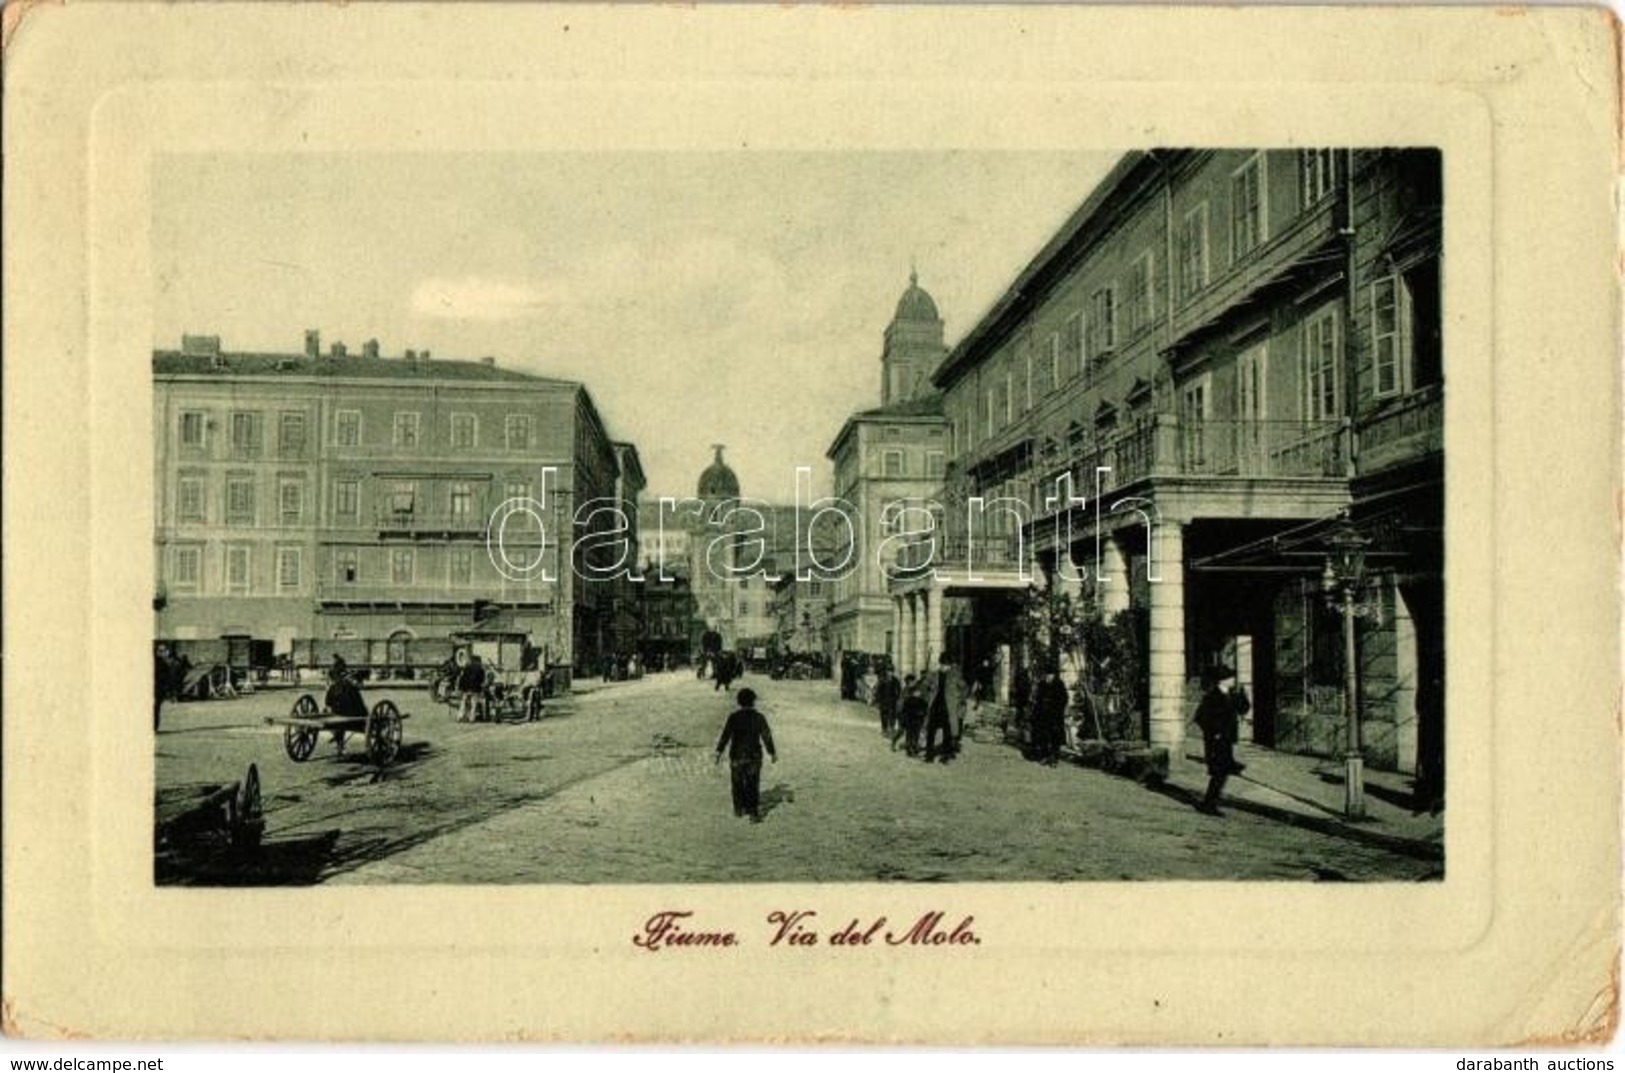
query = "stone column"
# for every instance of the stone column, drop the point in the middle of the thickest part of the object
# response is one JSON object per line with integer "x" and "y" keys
{"x": 922, "y": 632}
{"x": 1167, "y": 655}
{"x": 1114, "y": 565}
{"x": 897, "y": 634}
{"x": 906, "y": 642}
{"x": 934, "y": 640}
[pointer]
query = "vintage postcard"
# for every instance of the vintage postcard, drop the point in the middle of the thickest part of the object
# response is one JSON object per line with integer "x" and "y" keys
{"x": 767, "y": 512}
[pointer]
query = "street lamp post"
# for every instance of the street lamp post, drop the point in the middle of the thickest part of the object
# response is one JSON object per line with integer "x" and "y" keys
{"x": 1345, "y": 572}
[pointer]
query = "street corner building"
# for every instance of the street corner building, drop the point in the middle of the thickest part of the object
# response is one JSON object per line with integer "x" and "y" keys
{"x": 1216, "y": 394}
{"x": 320, "y": 503}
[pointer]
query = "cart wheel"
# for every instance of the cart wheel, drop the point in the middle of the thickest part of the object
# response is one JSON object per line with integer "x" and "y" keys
{"x": 300, "y": 742}
{"x": 306, "y": 707}
{"x": 384, "y": 733}
{"x": 247, "y": 812}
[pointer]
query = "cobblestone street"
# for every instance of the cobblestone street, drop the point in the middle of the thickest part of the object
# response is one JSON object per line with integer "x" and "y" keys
{"x": 618, "y": 786}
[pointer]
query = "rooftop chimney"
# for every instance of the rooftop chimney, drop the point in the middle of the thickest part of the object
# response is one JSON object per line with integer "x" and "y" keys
{"x": 488, "y": 361}
{"x": 201, "y": 345}
{"x": 313, "y": 343}
{"x": 411, "y": 355}
{"x": 339, "y": 350}
{"x": 369, "y": 349}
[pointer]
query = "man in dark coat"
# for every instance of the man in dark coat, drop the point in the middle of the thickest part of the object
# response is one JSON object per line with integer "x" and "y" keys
{"x": 745, "y": 735}
{"x": 888, "y": 693}
{"x": 1049, "y": 717}
{"x": 945, "y": 717}
{"x": 908, "y": 727}
{"x": 1216, "y": 716}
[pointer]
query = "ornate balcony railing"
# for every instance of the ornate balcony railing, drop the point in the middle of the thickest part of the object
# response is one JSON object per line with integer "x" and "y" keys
{"x": 1263, "y": 449}
{"x": 951, "y": 551}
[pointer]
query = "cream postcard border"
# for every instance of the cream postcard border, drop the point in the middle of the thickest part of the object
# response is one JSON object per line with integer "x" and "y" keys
{"x": 1386, "y": 963}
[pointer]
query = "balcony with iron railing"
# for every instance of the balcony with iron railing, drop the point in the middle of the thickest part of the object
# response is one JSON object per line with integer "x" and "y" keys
{"x": 950, "y": 551}
{"x": 426, "y": 522}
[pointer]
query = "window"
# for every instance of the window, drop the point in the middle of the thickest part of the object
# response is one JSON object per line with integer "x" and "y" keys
{"x": 347, "y": 428}
{"x": 462, "y": 501}
{"x": 1140, "y": 297}
{"x": 245, "y": 434}
{"x": 290, "y": 435}
{"x": 401, "y": 565}
{"x": 193, "y": 430}
{"x": 1247, "y": 216}
{"x": 1101, "y": 335}
{"x": 1193, "y": 252}
{"x": 347, "y": 566}
{"x": 1052, "y": 368}
{"x": 517, "y": 432}
{"x": 291, "y": 500}
{"x": 1194, "y": 400}
{"x": 1009, "y": 397}
{"x": 240, "y": 501}
{"x": 1321, "y": 378}
{"x": 186, "y": 566}
{"x": 936, "y": 464}
{"x": 403, "y": 499}
{"x": 406, "y": 428}
{"x": 992, "y": 400}
{"x": 462, "y": 566}
{"x": 892, "y": 463}
{"x": 1027, "y": 386}
{"x": 516, "y": 490}
{"x": 1317, "y": 174}
{"x": 347, "y": 500}
{"x": 189, "y": 500}
{"x": 1072, "y": 346}
{"x": 462, "y": 431}
{"x": 287, "y": 569}
{"x": 1390, "y": 335}
{"x": 237, "y": 568}
{"x": 744, "y": 608}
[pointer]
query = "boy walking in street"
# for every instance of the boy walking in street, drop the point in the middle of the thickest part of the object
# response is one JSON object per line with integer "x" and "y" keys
{"x": 744, "y": 736}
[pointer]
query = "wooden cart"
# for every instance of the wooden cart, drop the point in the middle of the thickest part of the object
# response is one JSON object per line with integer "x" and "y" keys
{"x": 380, "y": 728}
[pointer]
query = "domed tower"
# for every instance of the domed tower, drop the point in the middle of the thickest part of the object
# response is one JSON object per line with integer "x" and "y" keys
{"x": 913, "y": 348}
{"x": 711, "y": 567}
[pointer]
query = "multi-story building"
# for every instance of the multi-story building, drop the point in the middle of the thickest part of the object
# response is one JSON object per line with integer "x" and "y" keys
{"x": 1220, "y": 358}
{"x": 349, "y": 496}
{"x": 886, "y": 458}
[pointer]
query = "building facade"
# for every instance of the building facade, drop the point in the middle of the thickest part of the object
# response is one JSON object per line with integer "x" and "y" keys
{"x": 325, "y": 496}
{"x": 885, "y": 458}
{"x": 1221, "y": 358}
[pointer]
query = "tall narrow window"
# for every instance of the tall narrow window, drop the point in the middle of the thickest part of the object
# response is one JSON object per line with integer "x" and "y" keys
{"x": 245, "y": 434}
{"x": 462, "y": 566}
{"x": 1193, "y": 262}
{"x": 193, "y": 430}
{"x": 1247, "y": 216}
{"x": 1321, "y": 368}
{"x": 892, "y": 463}
{"x": 290, "y": 437}
{"x": 517, "y": 429}
{"x": 347, "y": 566}
{"x": 186, "y": 567}
{"x": 347, "y": 500}
{"x": 403, "y": 499}
{"x": 1193, "y": 418}
{"x": 1317, "y": 174}
{"x": 462, "y": 501}
{"x": 240, "y": 501}
{"x": 406, "y": 429}
{"x": 1101, "y": 336}
{"x": 291, "y": 500}
{"x": 189, "y": 499}
{"x": 1390, "y": 334}
{"x": 347, "y": 428}
{"x": 1141, "y": 300}
{"x": 401, "y": 565}
{"x": 462, "y": 431}
{"x": 288, "y": 563}
{"x": 238, "y": 574}
{"x": 1072, "y": 358}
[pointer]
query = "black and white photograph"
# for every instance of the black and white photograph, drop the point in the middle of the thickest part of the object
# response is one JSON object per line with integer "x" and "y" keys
{"x": 799, "y": 517}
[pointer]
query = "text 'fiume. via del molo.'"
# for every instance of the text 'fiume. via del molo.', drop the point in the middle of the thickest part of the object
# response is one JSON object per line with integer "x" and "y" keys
{"x": 801, "y": 928}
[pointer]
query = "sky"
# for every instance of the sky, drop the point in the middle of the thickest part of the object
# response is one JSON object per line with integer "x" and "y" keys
{"x": 735, "y": 298}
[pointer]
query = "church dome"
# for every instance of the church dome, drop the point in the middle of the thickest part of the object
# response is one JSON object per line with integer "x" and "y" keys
{"x": 718, "y": 480}
{"x": 916, "y": 304}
